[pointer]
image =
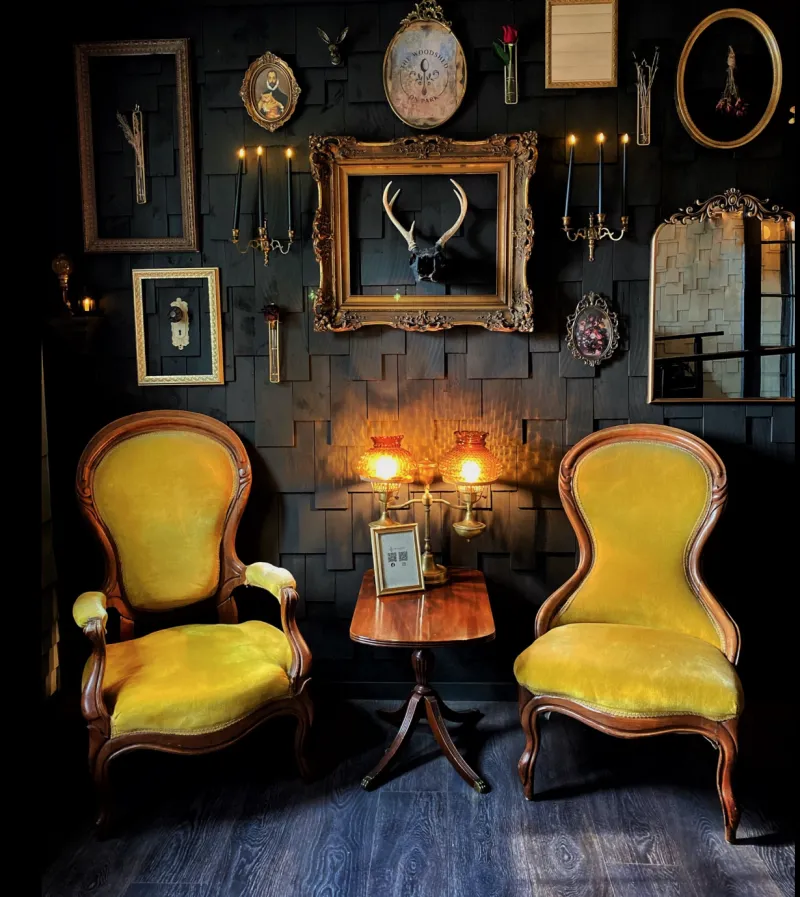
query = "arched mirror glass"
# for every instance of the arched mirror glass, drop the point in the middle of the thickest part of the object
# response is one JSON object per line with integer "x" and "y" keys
{"x": 722, "y": 303}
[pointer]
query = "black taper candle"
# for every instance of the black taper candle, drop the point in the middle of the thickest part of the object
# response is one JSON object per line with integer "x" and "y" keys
{"x": 625, "y": 140}
{"x": 237, "y": 199}
{"x": 600, "y": 140}
{"x": 569, "y": 174}
{"x": 261, "y": 219}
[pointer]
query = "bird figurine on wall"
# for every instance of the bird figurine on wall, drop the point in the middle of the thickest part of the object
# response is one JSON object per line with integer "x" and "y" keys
{"x": 334, "y": 46}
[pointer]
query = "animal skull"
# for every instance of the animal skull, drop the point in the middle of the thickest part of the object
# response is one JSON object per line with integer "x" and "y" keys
{"x": 426, "y": 264}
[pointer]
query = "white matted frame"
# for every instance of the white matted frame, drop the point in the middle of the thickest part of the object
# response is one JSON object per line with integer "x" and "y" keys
{"x": 396, "y": 559}
{"x": 581, "y": 43}
{"x": 211, "y": 276}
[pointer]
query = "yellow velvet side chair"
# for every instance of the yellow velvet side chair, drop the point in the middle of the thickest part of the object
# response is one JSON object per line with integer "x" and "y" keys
{"x": 634, "y": 643}
{"x": 164, "y": 492}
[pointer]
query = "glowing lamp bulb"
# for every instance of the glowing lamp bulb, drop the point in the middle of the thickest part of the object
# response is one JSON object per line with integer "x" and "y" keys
{"x": 470, "y": 471}
{"x": 87, "y": 304}
{"x": 386, "y": 468}
{"x": 601, "y": 138}
{"x": 572, "y": 140}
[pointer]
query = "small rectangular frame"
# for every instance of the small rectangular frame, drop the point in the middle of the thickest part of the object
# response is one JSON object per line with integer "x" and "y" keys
{"x": 211, "y": 275}
{"x": 580, "y": 43}
{"x": 377, "y": 534}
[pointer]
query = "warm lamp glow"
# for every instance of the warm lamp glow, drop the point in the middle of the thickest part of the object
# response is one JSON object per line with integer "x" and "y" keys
{"x": 386, "y": 468}
{"x": 625, "y": 138}
{"x": 260, "y": 151}
{"x": 572, "y": 140}
{"x": 387, "y": 462}
{"x": 469, "y": 461}
{"x": 241, "y": 153}
{"x": 601, "y": 138}
{"x": 470, "y": 471}
{"x": 289, "y": 153}
{"x": 87, "y": 304}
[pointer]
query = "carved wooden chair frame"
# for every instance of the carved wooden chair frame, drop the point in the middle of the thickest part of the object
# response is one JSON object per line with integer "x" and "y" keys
{"x": 722, "y": 734}
{"x": 103, "y": 747}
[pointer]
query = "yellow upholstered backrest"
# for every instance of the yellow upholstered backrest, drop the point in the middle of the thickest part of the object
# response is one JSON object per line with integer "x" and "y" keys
{"x": 164, "y": 497}
{"x": 642, "y": 502}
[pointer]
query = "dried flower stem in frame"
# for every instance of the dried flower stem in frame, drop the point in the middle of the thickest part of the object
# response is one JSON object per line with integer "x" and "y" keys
{"x": 134, "y": 134}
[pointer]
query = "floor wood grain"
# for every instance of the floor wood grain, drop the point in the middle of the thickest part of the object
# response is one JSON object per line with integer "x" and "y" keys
{"x": 611, "y": 819}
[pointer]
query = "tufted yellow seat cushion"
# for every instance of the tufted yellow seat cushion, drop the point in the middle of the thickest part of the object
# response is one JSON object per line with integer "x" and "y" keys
{"x": 631, "y": 671}
{"x": 196, "y": 678}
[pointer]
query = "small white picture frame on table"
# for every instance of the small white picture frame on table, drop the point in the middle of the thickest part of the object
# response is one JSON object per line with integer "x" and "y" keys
{"x": 397, "y": 560}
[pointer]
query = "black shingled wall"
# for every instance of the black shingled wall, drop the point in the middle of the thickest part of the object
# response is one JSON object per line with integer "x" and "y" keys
{"x": 306, "y": 512}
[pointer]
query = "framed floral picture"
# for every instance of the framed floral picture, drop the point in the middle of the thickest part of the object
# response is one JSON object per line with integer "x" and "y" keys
{"x": 592, "y": 330}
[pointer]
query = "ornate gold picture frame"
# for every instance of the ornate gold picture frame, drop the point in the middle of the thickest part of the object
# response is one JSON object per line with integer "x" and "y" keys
{"x": 269, "y": 92}
{"x": 188, "y": 240}
{"x": 777, "y": 78}
{"x": 580, "y": 43}
{"x": 509, "y": 158}
{"x": 190, "y": 326}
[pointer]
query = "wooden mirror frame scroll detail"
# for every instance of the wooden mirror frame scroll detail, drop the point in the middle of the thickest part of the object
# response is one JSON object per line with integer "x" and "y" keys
{"x": 512, "y": 157}
{"x": 731, "y": 201}
{"x": 777, "y": 78}
{"x": 92, "y": 241}
{"x": 268, "y": 60}
{"x": 211, "y": 276}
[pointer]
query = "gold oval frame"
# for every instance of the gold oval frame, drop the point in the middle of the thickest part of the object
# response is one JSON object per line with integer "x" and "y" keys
{"x": 268, "y": 60}
{"x": 777, "y": 78}
{"x": 407, "y": 25}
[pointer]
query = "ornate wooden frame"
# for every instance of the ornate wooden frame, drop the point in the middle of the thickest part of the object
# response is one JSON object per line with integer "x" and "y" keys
{"x": 92, "y": 241}
{"x": 777, "y": 78}
{"x": 268, "y": 60}
{"x": 722, "y": 734}
{"x": 731, "y": 201}
{"x": 211, "y": 276}
{"x": 103, "y": 747}
{"x": 511, "y": 156}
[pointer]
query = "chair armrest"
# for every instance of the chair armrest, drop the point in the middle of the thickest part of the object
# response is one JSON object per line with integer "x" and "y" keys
{"x": 266, "y": 576}
{"x": 90, "y": 606}
{"x": 89, "y": 612}
{"x": 301, "y": 654}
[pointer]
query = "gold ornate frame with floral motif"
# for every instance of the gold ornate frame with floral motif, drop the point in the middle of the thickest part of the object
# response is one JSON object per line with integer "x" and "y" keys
{"x": 512, "y": 157}
{"x": 211, "y": 275}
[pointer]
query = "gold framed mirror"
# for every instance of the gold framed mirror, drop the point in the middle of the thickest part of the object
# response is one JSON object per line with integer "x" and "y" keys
{"x": 722, "y": 123}
{"x": 722, "y": 303}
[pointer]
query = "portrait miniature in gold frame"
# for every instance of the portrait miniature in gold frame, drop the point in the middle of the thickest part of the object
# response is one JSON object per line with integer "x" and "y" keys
{"x": 178, "y": 326}
{"x": 270, "y": 92}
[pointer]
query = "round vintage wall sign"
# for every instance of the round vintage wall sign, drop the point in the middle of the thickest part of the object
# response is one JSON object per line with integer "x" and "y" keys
{"x": 424, "y": 69}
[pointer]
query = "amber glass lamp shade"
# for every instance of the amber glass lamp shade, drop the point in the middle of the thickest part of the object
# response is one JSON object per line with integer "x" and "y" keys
{"x": 387, "y": 462}
{"x": 469, "y": 462}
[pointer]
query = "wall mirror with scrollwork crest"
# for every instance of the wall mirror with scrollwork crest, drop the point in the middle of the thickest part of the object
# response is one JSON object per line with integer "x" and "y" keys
{"x": 423, "y": 233}
{"x": 722, "y": 303}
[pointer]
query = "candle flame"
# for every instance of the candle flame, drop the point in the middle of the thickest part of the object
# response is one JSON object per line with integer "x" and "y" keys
{"x": 289, "y": 153}
{"x": 260, "y": 151}
{"x": 241, "y": 153}
{"x": 625, "y": 138}
{"x": 87, "y": 303}
{"x": 572, "y": 140}
{"x": 601, "y": 138}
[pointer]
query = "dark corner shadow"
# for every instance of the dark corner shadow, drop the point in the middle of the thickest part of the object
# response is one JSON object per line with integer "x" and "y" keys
{"x": 771, "y": 839}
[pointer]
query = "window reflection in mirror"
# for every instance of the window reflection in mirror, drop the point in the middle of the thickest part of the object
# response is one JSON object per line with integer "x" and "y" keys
{"x": 723, "y": 309}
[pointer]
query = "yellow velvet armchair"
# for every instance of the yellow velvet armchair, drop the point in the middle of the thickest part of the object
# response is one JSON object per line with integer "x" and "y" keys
{"x": 634, "y": 643}
{"x": 164, "y": 492}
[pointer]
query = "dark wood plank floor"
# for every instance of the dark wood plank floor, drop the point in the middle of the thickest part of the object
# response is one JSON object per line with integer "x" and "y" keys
{"x": 615, "y": 819}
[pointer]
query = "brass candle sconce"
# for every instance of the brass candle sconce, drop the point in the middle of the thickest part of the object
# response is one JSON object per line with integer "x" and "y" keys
{"x": 595, "y": 231}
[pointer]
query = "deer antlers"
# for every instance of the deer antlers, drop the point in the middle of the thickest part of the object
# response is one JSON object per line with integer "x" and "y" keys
{"x": 408, "y": 235}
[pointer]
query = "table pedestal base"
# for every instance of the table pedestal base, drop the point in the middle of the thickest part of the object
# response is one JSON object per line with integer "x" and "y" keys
{"x": 424, "y": 700}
